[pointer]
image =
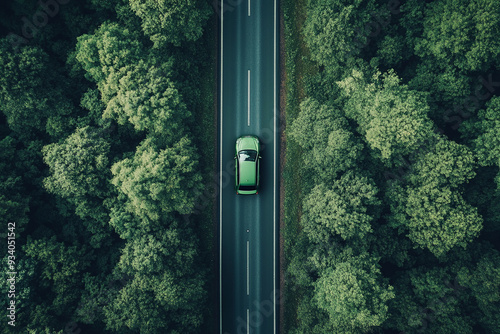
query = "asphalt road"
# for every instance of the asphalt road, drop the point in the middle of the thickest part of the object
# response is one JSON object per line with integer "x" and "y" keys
{"x": 248, "y": 224}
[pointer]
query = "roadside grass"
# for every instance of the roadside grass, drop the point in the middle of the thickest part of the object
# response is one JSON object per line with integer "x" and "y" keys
{"x": 297, "y": 68}
{"x": 204, "y": 135}
{"x": 205, "y": 131}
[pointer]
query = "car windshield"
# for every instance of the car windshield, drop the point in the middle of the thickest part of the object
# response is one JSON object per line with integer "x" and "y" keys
{"x": 248, "y": 155}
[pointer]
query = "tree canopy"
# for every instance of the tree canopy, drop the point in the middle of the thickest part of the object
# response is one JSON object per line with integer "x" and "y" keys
{"x": 171, "y": 21}
{"x": 324, "y": 134}
{"x": 461, "y": 33}
{"x": 158, "y": 180}
{"x": 392, "y": 117}
{"x": 98, "y": 164}
{"x": 391, "y": 169}
{"x": 354, "y": 295}
{"x": 347, "y": 209}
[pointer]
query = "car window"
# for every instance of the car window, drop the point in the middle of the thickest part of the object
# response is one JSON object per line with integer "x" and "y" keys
{"x": 247, "y": 188}
{"x": 248, "y": 155}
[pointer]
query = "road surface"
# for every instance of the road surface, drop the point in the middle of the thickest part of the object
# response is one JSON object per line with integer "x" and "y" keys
{"x": 248, "y": 224}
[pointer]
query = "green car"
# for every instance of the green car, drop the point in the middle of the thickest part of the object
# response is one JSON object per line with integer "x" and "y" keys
{"x": 247, "y": 165}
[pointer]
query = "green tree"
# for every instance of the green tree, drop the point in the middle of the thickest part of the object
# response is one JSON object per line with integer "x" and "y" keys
{"x": 166, "y": 284}
{"x": 99, "y": 291}
{"x": 169, "y": 248}
{"x": 25, "y": 288}
{"x": 483, "y": 193}
{"x": 154, "y": 304}
{"x": 461, "y": 33}
{"x": 124, "y": 222}
{"x": 312, "y": 319}
{"x": 427, "y": 302}
{"x": 483, "y": 280}
{"x": 135, "y": 308}
{"x": 431, "y": 206}
{"x": 61, "y": 269}
{"x": 392, "y": 50}
{"x": 439, "y": 219}
{"x": 329, "y": 146}
{"x": 105, "y": 54}
{"x": 14, "y": 204}
{"x": 32, "y": 93}
{"x": 485, "y": 132}
{"x": 172, "y": 21}
{"x": 336, "y": 30}
{"x": 79, "y": 165}
{"x": 354, "y": 294}
{"x": 158, "y": 181}
{"x": 148, "y": 99}
{"x": 347, "y": 209}
{"x": 442, "y": 162}
{"x": 448, "y": 88}
{"x": 79, "y": 173}
{"x": 392, "y": 117}
{"x": 135, "y": 86}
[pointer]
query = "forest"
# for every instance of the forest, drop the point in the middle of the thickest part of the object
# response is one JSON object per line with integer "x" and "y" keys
{"x": 393, "y": 154}
{"x": 105, "y": 153}
{"x": 391, "y": 171}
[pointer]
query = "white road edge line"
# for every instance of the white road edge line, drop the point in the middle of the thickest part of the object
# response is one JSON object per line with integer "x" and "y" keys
{"x": 220, "y": 162}
{"x": 249, "y": 7}
{"x": 248, "y": 104}
{"x": 248, "y": 321}
{"x": 248, "y": 268}
{"x": 274, "y": 187}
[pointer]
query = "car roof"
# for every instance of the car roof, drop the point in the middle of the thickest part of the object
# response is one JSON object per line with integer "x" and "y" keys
{"x": 248, "y": 173}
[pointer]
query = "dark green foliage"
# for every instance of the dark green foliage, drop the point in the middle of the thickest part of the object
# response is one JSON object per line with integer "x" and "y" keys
{"x": 454, "y": 41}
{"x": 157, "y": 180}
{"x": 80, "y": 174}
{"x": 324, "y": 134}
{"x": 14, "y": 206}
{"x": 135, "y": 87}
{"x": 430, "y": 302}
{"x": 461, "y": 33}
{"x": 172, "y": 21}
{"x": 104, "y": 54}
{"x": 487, "y": 130}
{"x": 26, "y": 281}
{"x": 482, "y": 192}
{"x": 392, "y": 117}
{"x": 79, "y": 165}
{"x": 436, "y": 218}
{"x": 419, "y": 202}
{"x": 443, "y": 163}
{"x": 441, "y": 299}
{"x": 429, "y": 77}
{"x": 431, "y": 207}
{"x": 335, "y": 30}
{"x": 347, "y": 209}
{"x": 312, "y": 319}
{"x": 392, "y": 50}
{"x": 354, "y": 294}
{"x": 163, "y": 280}
{"x": 60, "y": 271}
{"x": 98, "y": 165}
{"x": 149, "y": 100}
{"x": 29, "y": 103}
{"x": 483, "y": 280}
